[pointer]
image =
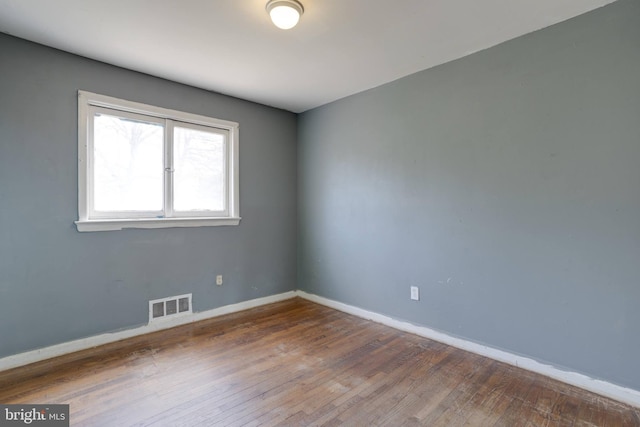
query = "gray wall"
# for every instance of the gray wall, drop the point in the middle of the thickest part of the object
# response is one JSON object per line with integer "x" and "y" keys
{"x": 506, "y": 185}
{"x": 57, "y": 284}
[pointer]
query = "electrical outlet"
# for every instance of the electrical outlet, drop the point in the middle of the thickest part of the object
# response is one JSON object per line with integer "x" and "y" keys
{"x": 415, "y": 293}
{"x": 219, "y": 280}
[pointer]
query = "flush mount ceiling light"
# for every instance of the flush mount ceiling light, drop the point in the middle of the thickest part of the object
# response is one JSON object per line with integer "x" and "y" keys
{"x": 285, "y": 14}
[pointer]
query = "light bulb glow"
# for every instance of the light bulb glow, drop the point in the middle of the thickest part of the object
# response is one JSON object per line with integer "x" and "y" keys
{"x": 285, "y": 14}
{"x": 284, "y": 17}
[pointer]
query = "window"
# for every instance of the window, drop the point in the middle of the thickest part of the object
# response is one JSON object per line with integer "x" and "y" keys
{"x": 141, "y": 166}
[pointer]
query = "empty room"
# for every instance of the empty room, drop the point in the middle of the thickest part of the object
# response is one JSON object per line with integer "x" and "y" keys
{"x": 320, "y": 212}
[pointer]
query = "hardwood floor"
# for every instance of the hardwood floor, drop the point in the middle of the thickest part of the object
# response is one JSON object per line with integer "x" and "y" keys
{"x": 296, "y": 363}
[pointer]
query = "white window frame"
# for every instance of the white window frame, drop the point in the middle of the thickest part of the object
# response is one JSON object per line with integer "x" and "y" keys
{"x": 88, "y": 220}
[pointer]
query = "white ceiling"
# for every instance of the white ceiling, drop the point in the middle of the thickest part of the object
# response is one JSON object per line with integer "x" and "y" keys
{"x": 340, "y": 47}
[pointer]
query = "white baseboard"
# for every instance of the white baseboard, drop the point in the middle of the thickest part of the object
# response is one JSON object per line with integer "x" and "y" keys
{"x": 38, "y": 355}
{"x": 603, "y": 388}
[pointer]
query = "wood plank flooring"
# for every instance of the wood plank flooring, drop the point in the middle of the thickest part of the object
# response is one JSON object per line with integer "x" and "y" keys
{"x": 296, "y": 363}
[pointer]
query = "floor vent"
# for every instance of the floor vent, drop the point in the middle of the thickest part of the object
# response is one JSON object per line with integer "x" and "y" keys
{"x": 169, "y": 308}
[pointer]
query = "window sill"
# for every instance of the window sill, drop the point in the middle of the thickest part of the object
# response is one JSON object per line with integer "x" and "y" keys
{"x": 120, "y": 224}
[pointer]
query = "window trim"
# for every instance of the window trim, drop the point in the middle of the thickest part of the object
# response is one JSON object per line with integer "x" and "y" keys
{"x": 87, "y": 100}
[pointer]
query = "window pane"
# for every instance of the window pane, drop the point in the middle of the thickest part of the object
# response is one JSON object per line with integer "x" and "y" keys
{"x": 199, "y": 177}
{"x": 128, "y": 164}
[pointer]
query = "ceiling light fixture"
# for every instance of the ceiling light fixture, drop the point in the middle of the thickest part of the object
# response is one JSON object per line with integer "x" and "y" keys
{"x": 285, "y": 14}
